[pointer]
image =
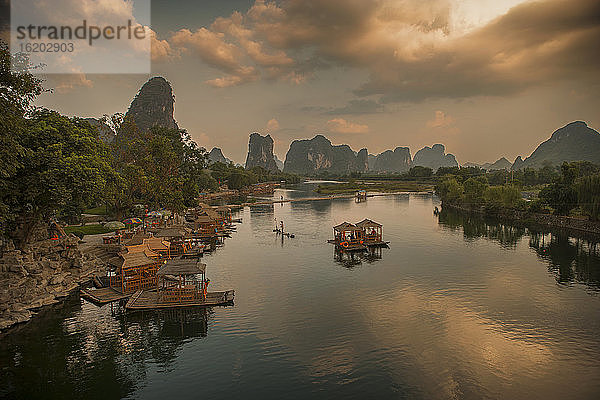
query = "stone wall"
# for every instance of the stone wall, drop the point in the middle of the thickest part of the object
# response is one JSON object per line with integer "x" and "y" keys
{"x": 42, "y": 274}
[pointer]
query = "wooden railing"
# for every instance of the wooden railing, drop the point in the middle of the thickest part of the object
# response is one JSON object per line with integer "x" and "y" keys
{"x": 133, "y": 279}
{"x": 180, "y": 295}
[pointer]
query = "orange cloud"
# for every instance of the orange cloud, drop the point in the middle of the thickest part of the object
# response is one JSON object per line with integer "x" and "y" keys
{"x": 65, "y": 83}
{"x": 340, "y": 125}
{"x": 273, "y": 125}
{"x": 441, "y": 120}
{"x": 161, "y": 49}
{"x": 413, "y": 50}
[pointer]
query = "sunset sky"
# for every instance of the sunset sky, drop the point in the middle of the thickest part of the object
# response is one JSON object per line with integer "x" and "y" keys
{"x": 487, "y": 78}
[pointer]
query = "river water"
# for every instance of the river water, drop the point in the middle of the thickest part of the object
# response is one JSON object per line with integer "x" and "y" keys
{"x": 455, "y": 308}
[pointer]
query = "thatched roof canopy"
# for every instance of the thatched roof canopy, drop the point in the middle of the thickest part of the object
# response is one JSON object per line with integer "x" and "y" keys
{"x": 367, "y": 223}
{"x": 138, "y": 259}
{"x": 205, "y": 219}
{"x": 209, "y": 212}
{"x": 156, "y": 243}
{"x": 142, "y": 248}
{"x": 180, "y": 266}
{"x": 346, "y": 226}
{"x": 137, "y": 239}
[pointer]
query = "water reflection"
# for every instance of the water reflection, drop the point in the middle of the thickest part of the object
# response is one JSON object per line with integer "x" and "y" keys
{"x": 75, "y": 348}
{"x": 570, "y": 259}
{"x": 351, "y": 260}
{"x": 475, "y": 227}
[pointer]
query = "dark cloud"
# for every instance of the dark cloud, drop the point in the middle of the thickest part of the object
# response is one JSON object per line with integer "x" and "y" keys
{"x": 412, "y": 49}
{"x": 360, "y": 106}
{"x": 533, "y": 44}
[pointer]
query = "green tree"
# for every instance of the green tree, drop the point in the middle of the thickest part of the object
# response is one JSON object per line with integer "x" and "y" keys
{"x": 561, "y": 195}
{"x": 506, "y": 196}
{"x": 588, "y": 195}
{"x": 475, "y": 189}
{"x": 63, "y": 170}
{"x": 17, "y": 91}
{"x": 420, "y": 172}
{"x": 450, "y": 191}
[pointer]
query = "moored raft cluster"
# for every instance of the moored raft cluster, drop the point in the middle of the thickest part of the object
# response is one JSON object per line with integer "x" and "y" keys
{"x": 159, "y": 267}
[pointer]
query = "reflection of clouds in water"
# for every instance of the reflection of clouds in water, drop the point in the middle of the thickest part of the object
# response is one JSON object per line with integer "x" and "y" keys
{"x": 464, "y": 350}
{"x": 333, "y": 360}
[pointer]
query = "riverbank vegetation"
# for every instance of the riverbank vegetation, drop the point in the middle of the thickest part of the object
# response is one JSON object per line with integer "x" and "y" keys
{"x": 56, "y": 167}
{"x": 237, "y": 177}
{"x": 574, "y": 190}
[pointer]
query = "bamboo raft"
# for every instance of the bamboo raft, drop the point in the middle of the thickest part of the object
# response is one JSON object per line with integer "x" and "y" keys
{"x": 377, "y": 244}
{"x": 350, "y": 247}
{"x": 147, "y": 300}
{"x": 103, "y": 295}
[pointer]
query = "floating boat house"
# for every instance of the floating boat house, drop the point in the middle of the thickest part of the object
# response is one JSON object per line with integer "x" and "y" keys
{"x": 348, "y": 237}
{"x": 373, "y": 232}
{"x": 133, "y": 271}
{"x": 181, "y": 283}
{"x": 182, "y": 280}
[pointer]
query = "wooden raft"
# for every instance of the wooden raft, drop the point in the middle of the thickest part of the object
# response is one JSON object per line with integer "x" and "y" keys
{"x": 147, "y": 300}
{"x": 377, "y": 244}
{"x": 103, "y": 296}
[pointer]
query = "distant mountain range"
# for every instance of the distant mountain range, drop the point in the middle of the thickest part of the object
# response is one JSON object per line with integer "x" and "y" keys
{"x": 398, "y": 160}
{"x": 318, "y": 154}
{"x": 154, "y": 105}
{"x": 573, "y": 142}
{"x": 502, "y": 163}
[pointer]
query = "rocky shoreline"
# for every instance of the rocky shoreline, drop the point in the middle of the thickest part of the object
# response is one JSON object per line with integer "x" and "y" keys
{"x": 43, "y": 274}
{"x": 574, "y": 226}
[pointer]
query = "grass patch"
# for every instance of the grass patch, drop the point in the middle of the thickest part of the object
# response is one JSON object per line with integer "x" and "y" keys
{"x": 382, "y": 187}
{"x": 80, "y": 231}
{"x": 100, "y": 210}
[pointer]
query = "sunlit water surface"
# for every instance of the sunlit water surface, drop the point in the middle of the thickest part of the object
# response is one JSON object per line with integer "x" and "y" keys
{"x": 455, "y": 308}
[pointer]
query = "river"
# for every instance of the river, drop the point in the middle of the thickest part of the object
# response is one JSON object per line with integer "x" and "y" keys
{"x": 457, "y": 307}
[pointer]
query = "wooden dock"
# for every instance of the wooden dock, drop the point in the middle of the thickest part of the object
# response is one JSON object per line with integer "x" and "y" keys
{"x": 103, "y": 296}
{"x": 148, "y": 300}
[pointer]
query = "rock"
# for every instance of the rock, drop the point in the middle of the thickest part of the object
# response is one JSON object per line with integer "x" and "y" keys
{"x": 5, "y": 323}
{"x": 518, "y": 164}
{"x": 573, "y": 142}
{"x": 33, "y": 267}
{"x": 18, "y": 269}
{"x": 278, "y": 162}
{"x": 318, "y": 154}
{"x": 26, "y": 284}
{"x": 216, "y": 155}
{"x": 434, "y": 157}
{"x": 57, "y": 279}
{"x": 502, "y": 163}
{"x": 260, "y": 153}
{"x": 17, "y": 307}
{"x": 396, "y": 161}
{"x": 105, "y": 132}
{"x": 153, "y": 106}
